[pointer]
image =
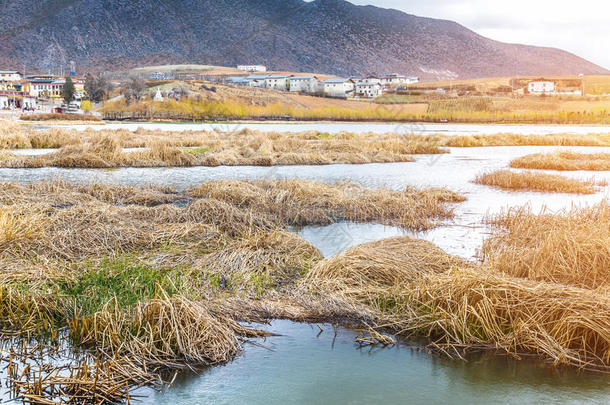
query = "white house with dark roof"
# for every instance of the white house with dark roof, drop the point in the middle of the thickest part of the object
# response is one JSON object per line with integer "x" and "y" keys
{"x": 9, "y": 76}
{"x": 305, "y": 84}
{"x": 339, "y": 87}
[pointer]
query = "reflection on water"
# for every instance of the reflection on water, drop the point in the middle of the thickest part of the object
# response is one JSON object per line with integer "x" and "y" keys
{"x": 304, "y": 366}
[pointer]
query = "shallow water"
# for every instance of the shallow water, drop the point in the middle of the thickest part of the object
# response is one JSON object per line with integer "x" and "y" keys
{"x": 410, "y": 128}
{"x": 309, "y": 365}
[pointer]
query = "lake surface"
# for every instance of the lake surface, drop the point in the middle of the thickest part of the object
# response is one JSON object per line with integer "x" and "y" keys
{"x": 304, "y": 366}
{"x": 335, "y": 127}
{"x": 311, "y": 365}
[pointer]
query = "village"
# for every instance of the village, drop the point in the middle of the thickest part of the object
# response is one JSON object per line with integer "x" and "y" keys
{"x": 44, "y": 93}
{"x": 38, "y": 92}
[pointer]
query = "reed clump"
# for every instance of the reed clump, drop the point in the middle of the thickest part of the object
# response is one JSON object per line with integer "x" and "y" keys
{"x": 564, "y": 161}
{"x": 416, "y": 290}
{"x": 569, "y": 247}
{"x": 161, "y": 331}
{"x": 541, "y": 182}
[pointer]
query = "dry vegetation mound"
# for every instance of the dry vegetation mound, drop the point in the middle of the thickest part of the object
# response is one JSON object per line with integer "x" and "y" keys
{"x": 208, "y": 148}
{"x": 415, "y": 289}
{"x": 570, "y": 247}
{"x": 508, "y": 139}
{"x": 547, "y": 183}
{"x": 564, "y": 161}
{"x": 301, "y": 202}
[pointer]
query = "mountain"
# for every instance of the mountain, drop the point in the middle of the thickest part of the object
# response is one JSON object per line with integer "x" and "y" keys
{"x": 327, "y": 36}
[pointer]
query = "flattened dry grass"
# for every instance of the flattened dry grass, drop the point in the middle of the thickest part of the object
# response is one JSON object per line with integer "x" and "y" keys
{"x": 569, "y": 247}
{"x": 547, "y": 183}
{"x": 564, "y": 161}
{"x": 306, "y": 202}
{"x": 416, "y": 290}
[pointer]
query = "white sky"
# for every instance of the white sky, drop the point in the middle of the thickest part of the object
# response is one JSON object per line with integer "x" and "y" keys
{"x": 581, "y": 26}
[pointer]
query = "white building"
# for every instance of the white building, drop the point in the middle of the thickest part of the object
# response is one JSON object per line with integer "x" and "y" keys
{"x": 278, "y": 82}
{"x": 257, "y": 80}
{"x": 339, "y": 87}
{"x": 368, "y": 88}
{"x": 395, "y": 79}
{"x": 9, "y": 76}
{"x": 16, "y": 101}
{"x": 371, "y": 79}
{"x": 305, "y": 84}
{"x": 541, "y": 87}
{"x": 46, "y": 88}
{"x": 252, "y": 68}
{"x": 158, "y": 96}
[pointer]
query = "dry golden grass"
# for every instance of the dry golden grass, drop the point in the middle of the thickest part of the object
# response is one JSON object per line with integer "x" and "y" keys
{"x": 564, "y": 161}
{"x": 301, "y": 202}
{"x": 509, "y": 139}
{"x": 570, "y": 247}
{"x": 415, "y": 289}
{"x": 162, "y": 330}
{"x": 105, "y": 148}
{"x": 546, "y": 183}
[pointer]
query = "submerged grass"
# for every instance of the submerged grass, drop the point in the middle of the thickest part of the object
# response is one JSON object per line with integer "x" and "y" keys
{"x": 564, "y": 161}
{"x": 547, "y": 183}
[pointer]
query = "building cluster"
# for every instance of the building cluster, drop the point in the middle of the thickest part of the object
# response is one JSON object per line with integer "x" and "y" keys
{"x": 351, "y": 87}
{"x": 25, "y": 92}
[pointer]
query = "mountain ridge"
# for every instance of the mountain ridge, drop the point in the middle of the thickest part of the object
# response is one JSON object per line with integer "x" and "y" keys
{"x": 326, "y": 36}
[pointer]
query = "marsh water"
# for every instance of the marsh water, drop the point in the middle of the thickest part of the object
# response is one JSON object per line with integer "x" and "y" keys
{"x": 455, "y": 171}
{"x": 316, "y": 364}
{"x": 311, "y": 364}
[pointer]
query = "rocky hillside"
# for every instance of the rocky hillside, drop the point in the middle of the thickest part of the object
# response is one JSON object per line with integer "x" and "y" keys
{"x": 330, "y": 36}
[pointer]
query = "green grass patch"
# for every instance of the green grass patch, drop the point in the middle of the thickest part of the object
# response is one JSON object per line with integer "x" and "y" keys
{"x": 124, "y": 279}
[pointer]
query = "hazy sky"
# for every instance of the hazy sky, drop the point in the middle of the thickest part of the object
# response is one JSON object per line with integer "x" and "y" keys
{"x": 579, "y": 26}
